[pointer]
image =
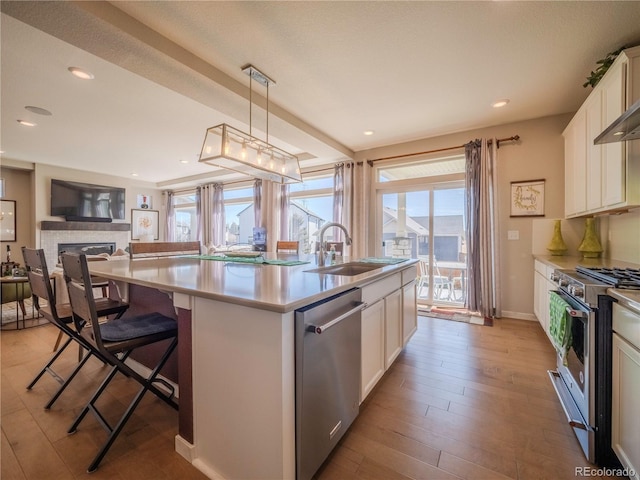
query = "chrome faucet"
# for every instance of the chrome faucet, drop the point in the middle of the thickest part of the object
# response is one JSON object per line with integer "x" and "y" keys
{"x": 347, "y": 240}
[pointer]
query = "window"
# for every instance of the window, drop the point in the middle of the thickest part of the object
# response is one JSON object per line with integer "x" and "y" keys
{"x": 184, "y": 207}
{"x": 239, "y": 215}
{"x": 310, "y": 207}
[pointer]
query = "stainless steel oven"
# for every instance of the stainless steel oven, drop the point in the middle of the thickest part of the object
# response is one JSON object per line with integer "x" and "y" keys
{"x": 582, "y": 378}
{"x": 572, "y": 378}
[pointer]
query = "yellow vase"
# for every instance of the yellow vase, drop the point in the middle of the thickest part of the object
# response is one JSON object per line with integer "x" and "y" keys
{"x": 590, "y": 246}
{"x": 557, "y": 245}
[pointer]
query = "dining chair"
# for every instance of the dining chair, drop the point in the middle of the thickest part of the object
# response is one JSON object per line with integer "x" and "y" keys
{"x": 114, "y": 340}
{"x": 287, "y": 247}
{"x": 440, "y": 282}
{"x": 60, "y": 315}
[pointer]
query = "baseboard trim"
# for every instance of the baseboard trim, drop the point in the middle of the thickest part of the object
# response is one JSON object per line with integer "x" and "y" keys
{"x": 519, "y": 315}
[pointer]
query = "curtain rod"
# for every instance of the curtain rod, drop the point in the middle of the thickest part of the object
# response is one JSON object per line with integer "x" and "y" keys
{"x": 192, "y": 189}
{"x": 514, "y": 138}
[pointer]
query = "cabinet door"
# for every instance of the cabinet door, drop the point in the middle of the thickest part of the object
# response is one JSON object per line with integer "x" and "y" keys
{"x": 575, "y": 177}
{"x": 613, "y": 154}
{"x": 372, "y": 344}
{"x": 409, "y": 312}
{"x": 625, "y": 429}
{"x": 593, "y": 108}
{"x": 393, "y": 327}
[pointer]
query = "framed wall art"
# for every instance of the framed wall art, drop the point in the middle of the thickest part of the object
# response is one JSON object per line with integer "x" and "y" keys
{"x": 527, "y": 198}
{"x": 8, "y": 220}
{"x": 144, "y": 224}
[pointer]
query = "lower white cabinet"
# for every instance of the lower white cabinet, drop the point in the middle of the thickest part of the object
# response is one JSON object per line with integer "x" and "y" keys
{"x": 625, "y": 421}
{"x": 541, "y": 294}
{"x": 372, "y": 344}
{"x": 393, "y": 341}
{"x": 388, "y": 322}
{"x": 409, "y": 312}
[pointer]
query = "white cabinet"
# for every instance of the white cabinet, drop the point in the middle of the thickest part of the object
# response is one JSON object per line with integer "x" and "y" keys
{"x": 599, "y": 178}
{"x": 393, "y": 327}
{"x": 625, "y": 421}
{"x": 388, "y": 322}
{"x": 372, "y": 344}
{"x": 626, "y": 393}
{"x": 541, "y": 293}
{"x": 575, "y": 165}
{"x": 409, "y": 312}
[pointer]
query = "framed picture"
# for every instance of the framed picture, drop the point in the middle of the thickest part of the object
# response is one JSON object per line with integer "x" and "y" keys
{"x": 527, "y": 198}
{"x": 8, "y": 221}
{"x": 144, "y": 223}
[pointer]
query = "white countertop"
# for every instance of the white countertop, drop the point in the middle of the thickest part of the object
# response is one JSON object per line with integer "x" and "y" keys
{"x": 268, "y": 287}
{"x": 570, "y": 263}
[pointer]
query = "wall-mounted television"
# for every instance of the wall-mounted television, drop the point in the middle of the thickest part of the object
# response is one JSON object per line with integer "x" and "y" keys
{"x": 84, "y": 201}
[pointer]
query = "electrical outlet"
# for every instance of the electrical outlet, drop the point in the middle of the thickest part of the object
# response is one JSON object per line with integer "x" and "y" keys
{"x": 513, "y": 235}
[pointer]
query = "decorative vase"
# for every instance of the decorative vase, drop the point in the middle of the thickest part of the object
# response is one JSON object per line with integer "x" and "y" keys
{"x": 590, "y": 246}
{"x": 557, "y": 245}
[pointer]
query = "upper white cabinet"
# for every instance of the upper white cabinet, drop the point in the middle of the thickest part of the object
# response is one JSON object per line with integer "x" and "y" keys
{"x": 601, "y": 178}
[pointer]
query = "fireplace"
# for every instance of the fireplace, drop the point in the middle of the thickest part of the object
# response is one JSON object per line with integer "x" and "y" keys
{"x": 87, "y": 248}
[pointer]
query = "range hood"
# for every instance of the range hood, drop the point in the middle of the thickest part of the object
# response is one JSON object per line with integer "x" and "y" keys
{"x": 625, "y": 128}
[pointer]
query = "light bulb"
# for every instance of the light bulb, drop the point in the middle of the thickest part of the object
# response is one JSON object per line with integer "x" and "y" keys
{"x": 243, "y": 152}
{"x": 226, "y": 147}
{"x": 259, "y": 157}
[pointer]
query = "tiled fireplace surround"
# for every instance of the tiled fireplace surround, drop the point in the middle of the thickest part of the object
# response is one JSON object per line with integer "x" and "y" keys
{"x": 52, "y": 233}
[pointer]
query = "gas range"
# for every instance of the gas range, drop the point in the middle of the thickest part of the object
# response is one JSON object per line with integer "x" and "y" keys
{"x": 586, "y": 283}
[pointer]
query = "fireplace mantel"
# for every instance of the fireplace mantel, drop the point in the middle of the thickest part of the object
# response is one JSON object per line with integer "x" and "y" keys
{"x": 92, "y": 226}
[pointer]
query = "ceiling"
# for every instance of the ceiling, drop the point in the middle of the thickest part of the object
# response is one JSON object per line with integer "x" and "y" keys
{"x": 166, "y": 71}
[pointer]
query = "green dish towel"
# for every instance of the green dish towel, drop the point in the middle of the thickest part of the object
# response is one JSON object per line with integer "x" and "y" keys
{"x": 256, "y": 260}
{"x": 383, "y": 260}
{"x": 560, "y": 325}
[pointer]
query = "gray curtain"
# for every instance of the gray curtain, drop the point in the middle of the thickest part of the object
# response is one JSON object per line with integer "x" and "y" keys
{"x": 257, "y": 202}
{"x": 481, "y": 209}
{"x": 199, "y": 214}
{"x": 211, "y": 221}
{"x": 284, "y": 212}
{"x": 338, "y": 199}
{"x": 170, "y": 224}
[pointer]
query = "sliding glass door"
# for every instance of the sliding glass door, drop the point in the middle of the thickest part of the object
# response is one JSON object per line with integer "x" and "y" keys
{"x": 423, "y": 218}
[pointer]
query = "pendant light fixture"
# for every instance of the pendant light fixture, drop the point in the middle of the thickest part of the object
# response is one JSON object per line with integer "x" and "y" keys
{"x": 232, "y": 149}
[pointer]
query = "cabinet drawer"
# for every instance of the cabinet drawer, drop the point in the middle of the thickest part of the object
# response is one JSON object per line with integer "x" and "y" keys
{"x": 380, "y": 289}
{"x": 409, "y": 274}
{"x": 627, "y": 324}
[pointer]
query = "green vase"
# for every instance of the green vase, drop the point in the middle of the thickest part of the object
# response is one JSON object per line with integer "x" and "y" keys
{"x": 590, "y": 246}
{"x": 557, "y": 245}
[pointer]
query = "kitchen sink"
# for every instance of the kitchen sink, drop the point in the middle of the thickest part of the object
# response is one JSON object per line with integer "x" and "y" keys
{"x": 346, "y": 269}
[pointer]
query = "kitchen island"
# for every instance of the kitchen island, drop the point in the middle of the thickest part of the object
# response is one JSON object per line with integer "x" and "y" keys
{"x": 237, "y": 350}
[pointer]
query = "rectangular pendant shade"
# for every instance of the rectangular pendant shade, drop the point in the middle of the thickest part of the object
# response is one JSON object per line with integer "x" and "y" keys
{"x": 230, "y": 148}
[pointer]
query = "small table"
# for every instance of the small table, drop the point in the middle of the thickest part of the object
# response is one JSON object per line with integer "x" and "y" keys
{"x": 21, "y": 291}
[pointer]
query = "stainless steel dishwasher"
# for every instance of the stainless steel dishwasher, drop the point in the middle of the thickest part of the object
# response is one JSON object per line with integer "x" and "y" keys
{"x": 327, "y": 377}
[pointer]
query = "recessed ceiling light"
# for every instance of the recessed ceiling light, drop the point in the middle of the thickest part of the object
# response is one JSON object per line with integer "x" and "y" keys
{"x": 81, "y": 73}
{"x": 134, "y": 174}
{"x": 368, "y": 132}
{"x": 184, "y": 161}
{"x": 38, "y": 110}
{"x": 500, "y": 103}
{"x": 617, "y": 134}
{"x": 27, "y": 123}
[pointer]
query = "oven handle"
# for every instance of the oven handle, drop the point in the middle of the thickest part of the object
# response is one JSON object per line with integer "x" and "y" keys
{"x": 577, "y": 313}
{"x": 565, "y": 398}
{"x": 571, "y": 310}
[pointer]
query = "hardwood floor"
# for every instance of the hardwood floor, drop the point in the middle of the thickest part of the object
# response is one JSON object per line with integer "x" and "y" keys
{"x": 462, "y": 401}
